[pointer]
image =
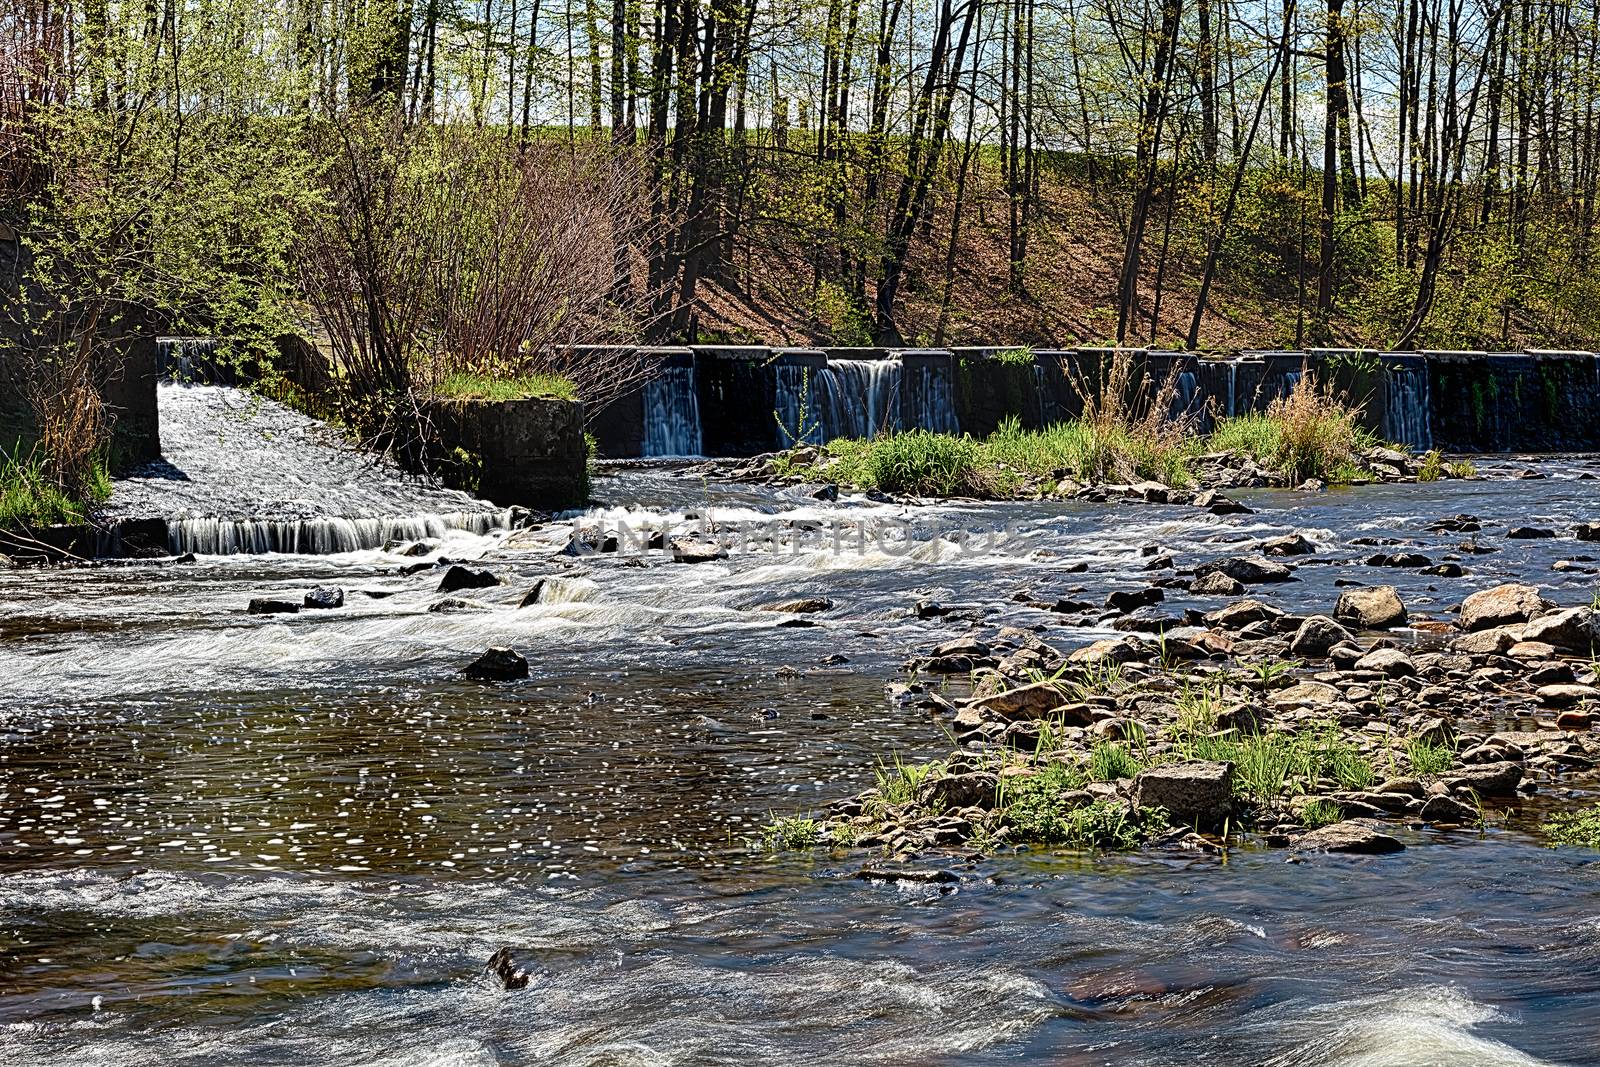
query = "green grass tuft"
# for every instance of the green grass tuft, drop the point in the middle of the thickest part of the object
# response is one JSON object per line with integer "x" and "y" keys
{"x": 30, "y": 497}
{"x": 1110, "y": 760}
{"x": 1428, "y": 758}
{"x": 462, "y": 386}
{"x": 788, "y": 832}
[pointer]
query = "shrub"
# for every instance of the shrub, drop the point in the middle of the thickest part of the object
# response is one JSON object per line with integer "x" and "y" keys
{"x": 1577, "y": 829}
{"x": 791, "y": 832}
{"x": 1041, "y": 813}
{"x": 1310, "y": 433}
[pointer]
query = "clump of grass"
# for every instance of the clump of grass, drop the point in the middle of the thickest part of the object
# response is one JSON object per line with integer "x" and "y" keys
{"x": 30, "y": 497}
{"x": 1576, "y": 829}
{"x": 1110, "y": 760}
{"x": 1042, "y": 812}
{"x": 1461, "y": 468}
{"x": 1273, "y": 766}
{"x": 1021, "y": 356}
{"x": 1310, "y": 433}
{"x": 898, "y": 782}
{"x": 465, "y": 386}
{"x": 791, "y": 832}
{"x": 1320, "y": 812}
{"x": 1432, "y": 468}
{"x": 1270, "y": 672}
{"x": 1428, "y": 758}
{"x": 917, "y": 461}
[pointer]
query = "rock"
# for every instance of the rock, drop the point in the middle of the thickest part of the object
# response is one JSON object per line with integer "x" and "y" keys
{"x": 1126, "y": 600}
{"x": 976, "y": 789}
{"x": 1565, "y": 696}
{"x": 1390, "y": 661}
{"x": 1249, "y": 570}
{"x": 498, "y": 665}
{"x": 1110, "y": 650}
{"x": 452, "y": 605}
{"x": 1444, "y": 570}
{"x": 688, "y": 551}
{"x": 1502, "y": 605}
{"x": 267, "y": 606}
{"x": 1498, "y": 779}
{"x": 1033, "y": 701}
{"x": 459, "y": 577}
{"x": 1529, "y": 533}
{"x": 919, "y": 876}
{"x": 7, "y": 563}
{"x": 534, "y": 595}
{"x": 1316, "y": 636}
{"x": 1288, "y": 545}
{"x": 1376, "y": 607}
{"x": 1493, "y": 642}
{"x": 1586, "y": 531}
{"x": 1306, "y": 694}
{"x": 1400, "y": 559}
{"x": 511, "y": 976}
{"x": 1218, "y": 504}
{"x": 1574, "y": 629}
{"x": 1356, "y": 836}
{"x": 1242, "y": 613}
{"x": 1197, "y": 793}
{"x": 1575, "y": 720}
{"x": 807, "y": 605}
{"x": 1443, "y": 809}
{"x": 325, "y": 597}
{"x": 1531, "y": 651}
{"x": 1215, "y": 584}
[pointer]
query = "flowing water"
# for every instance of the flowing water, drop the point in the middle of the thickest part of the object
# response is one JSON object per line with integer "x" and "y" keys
{"x": 672, "y": 414}
{"x": 296, "y": 839}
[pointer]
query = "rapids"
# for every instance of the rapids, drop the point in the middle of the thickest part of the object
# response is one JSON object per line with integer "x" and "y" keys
{"x": 296, "y": 839}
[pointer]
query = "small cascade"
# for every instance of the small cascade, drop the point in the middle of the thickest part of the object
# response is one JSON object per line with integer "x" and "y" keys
{"x": 191, "y": 359}
{"x": 930, "y": 400}
{"x": 1407, "y": 404}
{"x": 1186, "y": 399}
{"x": 847, "y": 398}
{"x": 320, "y": 536}
{"x": 672, "y": 414}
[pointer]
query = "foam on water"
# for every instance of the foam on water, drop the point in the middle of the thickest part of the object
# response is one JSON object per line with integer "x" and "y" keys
{"x": 1427, "y": 1027}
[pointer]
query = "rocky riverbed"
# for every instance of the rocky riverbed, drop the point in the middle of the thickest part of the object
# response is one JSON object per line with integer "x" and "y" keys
{"x": 1304, "y": 729}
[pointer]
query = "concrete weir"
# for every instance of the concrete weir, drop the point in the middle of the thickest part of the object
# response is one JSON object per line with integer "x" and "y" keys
{"x": 743, "y": 400}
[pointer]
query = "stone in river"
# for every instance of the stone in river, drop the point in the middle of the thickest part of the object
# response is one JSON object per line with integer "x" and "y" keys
{"x": 1502, "y": 605}
{"x": 1242, "y": 613}
{"x": 1251, "y": 570}
{"x": 498, "y": 665}
{"x": 1316, "y": 636}
{"x": 1216, "y": 584}
{"x": 1197, "y": 793}
{"x": 268, "y": 606}
{"x": 1375, "y": 607}
{"x": 800, "y": 606}
{"x": 1126, "y": 600}
{"x": 1356, "y": 836}
{"x": 1307, "y": 694}
{"x": 1444, "y": 809}
{"x": 1565, "y": 696}
{"x": 459, "y": 577}
{"x": 1574, "y": 629}
{"x": 1529, "y": 533}
{"x": 1294, "y": 544}
{"x": 1390, "y": 661}
{"x": 325, "y": 597}
{"x": 687, "y": 551}
{"x": 1575, "y": 719}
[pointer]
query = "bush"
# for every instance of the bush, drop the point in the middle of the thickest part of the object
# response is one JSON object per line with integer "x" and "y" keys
{"x": 1578, "y": 829}
{"x": 791, "y": 832}
{"x": 1042, "y": 813}
{"x": 1310, "y": 433}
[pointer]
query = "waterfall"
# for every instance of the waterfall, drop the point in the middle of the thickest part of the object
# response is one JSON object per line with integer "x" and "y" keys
{"x": 1407, "y": 404}
{"x": 191, "y": 359}
{"x": 857, "y": 398}
{"x": 1186, "y": 396}
{"x": 672, "y": 413}
{"x": 320, "y": 536}
{"x": 930, "y": 399}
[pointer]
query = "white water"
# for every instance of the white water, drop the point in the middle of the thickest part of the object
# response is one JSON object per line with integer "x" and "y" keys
{"x": 857, "y": 398}
{"x": 1408, "y": 404}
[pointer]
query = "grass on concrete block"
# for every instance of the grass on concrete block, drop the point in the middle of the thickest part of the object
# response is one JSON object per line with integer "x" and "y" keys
{"x": 464, "y": 386}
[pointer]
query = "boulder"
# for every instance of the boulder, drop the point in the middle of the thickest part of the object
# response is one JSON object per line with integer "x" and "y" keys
{"x": 1110, "y": 650}
{"x": 1502, "y": 605}
{"x": 1198, "y": 793}
{"x": 1530, "y": 533}
{"x": 1356, "y": 836}
{"x": 1215, "y": 584}
{"x": 325, "y": 597}
{"x": 975, "y": 789}
{"x": 1375, "y": 607}
{"x": 1126, "y": 600}
{"x": 1390, "y": 661}
{"x": 1445, "y": 809}
{"x": 806, "y": 605}
{"x": 1574, "y": 629}
{"x": 498, "y": 665}
{"x": 267, "y": 606}
{"x": 688, "y": 551}
{"x": 1288, "y": 545}
{"x": 1307, "y": 694}
{"x": 1316, "y": 636}
{"x": 1566, "y": 696}
{"x": 1498, "y": 779}
{"x": 533, "y": 595}
{"x": 1026, "y": 702}
{"x": 459, "y": 577}
{"x": 1576, "y": 720}
{"x": 1249, "y": 570}
{"x": 1493, "y": 642}
{"x": 1242, "y": 613}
